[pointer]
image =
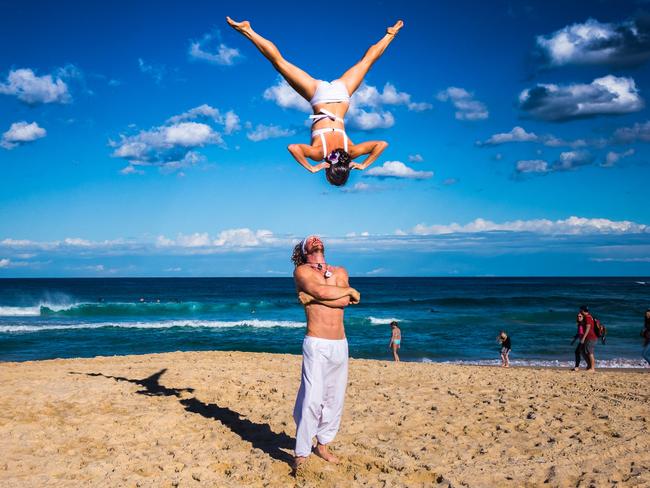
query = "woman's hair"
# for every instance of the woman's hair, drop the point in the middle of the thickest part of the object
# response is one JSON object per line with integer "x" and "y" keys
{"x": 339, "y": 171}
{"x": 297, "y": 256}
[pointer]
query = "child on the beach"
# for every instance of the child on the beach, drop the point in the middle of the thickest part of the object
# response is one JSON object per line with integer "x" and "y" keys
{"x": 504, "y": 339}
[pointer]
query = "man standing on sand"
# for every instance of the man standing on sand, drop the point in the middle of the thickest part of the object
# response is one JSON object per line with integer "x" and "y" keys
{"x": 588, "y": 339}
{"x": 325, "y": 292}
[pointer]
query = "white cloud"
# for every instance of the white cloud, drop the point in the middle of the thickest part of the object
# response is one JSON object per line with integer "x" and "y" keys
{"x": 4, "y": 263}
{"x": 20, "y": 133}
{"x": 360, "y": 187}
{"x": 369, "y": 96}
{"x": 519, "y": 134}
{"x": 243, "y": 238}
{"x": 415, "y": 158}
{"x": 220, "y": 54}
{"x": 397, "y": 169}
{"x": 230, "y": 120}
{"x": 230, "y": 238}
{"x": 286, "y": 97}
{"x": 570, "y": 226}
{"x": 603, "y": 96}
{"x": 567, "y": 161}
{"x": 33, "y": 89}
{"x": 263, "y": 132}
{"x": 202, "y": 111}
{"x": 76, "y": 241}
{"x": 467, "y": 108}
{"x": 571, "y": 159}
{"x": 593, "y": 42}
{"x": 532, "y": 166}
{"x": 622, "y": 260}
{"x": 358, "y": 118}
{"x": 450, "y": 181}
{"x": 638, "y": 132}
{"x": 131, "y": 170}
{"x": 231, "y": 123}
{"x": 171, "y": 147}
{"x": 419, "y": 106}
{"x": 614, "y": 157}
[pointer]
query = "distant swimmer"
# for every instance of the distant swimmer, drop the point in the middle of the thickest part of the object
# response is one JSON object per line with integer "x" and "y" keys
{"x": 330, "y": 101}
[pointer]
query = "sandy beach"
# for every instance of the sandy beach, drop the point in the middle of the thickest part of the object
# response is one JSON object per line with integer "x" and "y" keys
{"x": 224, "y": 419}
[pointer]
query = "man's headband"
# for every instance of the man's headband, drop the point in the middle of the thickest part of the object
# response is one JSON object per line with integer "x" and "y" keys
{"x": 303, "y": 244}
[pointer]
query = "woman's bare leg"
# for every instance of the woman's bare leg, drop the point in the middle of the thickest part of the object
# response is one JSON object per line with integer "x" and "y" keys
{"x": 355, "y": 75}
{"x": 300, "y": 81}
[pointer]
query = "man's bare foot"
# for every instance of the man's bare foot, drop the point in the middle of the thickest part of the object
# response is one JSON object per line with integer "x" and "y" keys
{"x": 243, "y": 26}
{"x": 321, "y": 451}
{"x": 591, "y": 370}
{"x": 576, "y": 369}
{"x": 298, "y": 461}
{"x": 395, "y": 29}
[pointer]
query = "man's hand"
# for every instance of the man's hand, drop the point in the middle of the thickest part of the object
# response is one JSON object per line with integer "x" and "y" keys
{"x": 355, "y": 297}
{"x": 305, "y": 298}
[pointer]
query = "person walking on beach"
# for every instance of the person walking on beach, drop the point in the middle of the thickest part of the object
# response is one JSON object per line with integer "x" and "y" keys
{"x": 645, "y": 333}
{"x": 324, "y": 291}
{"x": 395, "y": 340}
{"x": 506, "y": 346}
{"x": 588, "y": 339}
{"x": 330, "y": 101}
{"x": 580, "y": 325}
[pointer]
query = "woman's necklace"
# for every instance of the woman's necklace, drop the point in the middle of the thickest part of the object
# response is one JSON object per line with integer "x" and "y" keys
{"x": 319, "y": 267}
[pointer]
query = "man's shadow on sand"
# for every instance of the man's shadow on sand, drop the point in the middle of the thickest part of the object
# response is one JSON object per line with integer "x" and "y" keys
{"x": 259, "y": 435}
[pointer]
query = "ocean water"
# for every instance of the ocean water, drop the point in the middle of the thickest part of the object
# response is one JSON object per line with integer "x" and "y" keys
{"x": 442, "y": 319}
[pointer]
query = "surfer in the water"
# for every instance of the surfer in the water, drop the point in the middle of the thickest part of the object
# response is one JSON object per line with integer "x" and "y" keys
{"x": 330, "y": 145}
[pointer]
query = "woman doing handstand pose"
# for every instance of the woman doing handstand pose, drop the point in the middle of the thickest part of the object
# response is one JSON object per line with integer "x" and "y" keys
{"x": 330, "y": 102}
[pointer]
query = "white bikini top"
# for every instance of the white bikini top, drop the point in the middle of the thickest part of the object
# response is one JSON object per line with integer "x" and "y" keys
{"x": 322, "y": 132}
{"x": 330, "y": 92}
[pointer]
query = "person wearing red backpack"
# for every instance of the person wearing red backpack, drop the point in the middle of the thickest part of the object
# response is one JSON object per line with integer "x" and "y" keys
{"x": 589, "y": 339}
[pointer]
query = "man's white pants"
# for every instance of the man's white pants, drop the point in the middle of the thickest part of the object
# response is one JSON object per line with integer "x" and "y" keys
{"x": 319, "y": 404}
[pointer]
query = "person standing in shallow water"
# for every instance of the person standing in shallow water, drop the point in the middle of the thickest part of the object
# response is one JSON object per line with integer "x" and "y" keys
{"x": 395, "y": 340}
{"x": 506, "y": 346}
{"x": 589, "y": 339}
{"x": 324, "y": 291}
{"x": 580, "y": 325}
{"x": 645, "y": 333}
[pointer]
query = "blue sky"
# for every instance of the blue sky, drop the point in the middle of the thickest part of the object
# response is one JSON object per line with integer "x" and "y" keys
{"x": 150, "y": 140}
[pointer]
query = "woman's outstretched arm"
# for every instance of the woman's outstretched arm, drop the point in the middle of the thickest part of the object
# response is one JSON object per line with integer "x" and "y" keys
{"x": 372, "y": 148}
{"x": 301, "y": 152}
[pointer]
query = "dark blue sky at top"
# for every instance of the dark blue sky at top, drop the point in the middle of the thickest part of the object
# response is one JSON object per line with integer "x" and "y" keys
{"x": 128, "y": 70}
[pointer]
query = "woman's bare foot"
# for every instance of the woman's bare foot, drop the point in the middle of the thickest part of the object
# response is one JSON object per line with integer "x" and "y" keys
{"x": 576, "y": 369}
{"x": 395, "y": 29}
{"x": 321, "y": 451}
{"x": 243, "y": 26}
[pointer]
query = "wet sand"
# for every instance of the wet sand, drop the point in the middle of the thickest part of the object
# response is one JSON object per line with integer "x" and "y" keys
{"x": 224, "y": 419}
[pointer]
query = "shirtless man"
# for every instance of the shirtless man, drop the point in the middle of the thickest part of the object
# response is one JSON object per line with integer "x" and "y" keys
{"x": 324, "y": 291}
